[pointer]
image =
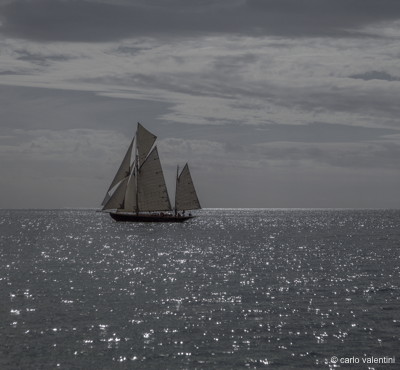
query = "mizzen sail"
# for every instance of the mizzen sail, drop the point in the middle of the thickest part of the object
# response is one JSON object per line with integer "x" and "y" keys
{"x": 186, "y": 196}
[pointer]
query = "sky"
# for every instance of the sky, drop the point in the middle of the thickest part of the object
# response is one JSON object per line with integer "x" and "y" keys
{"x": 274, "y": 103}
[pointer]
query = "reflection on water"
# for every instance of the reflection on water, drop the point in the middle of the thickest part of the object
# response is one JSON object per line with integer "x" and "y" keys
{"x": 230, "y": 289}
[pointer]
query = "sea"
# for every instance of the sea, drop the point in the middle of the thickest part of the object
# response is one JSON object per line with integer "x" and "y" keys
{"x": 230, "y": 289}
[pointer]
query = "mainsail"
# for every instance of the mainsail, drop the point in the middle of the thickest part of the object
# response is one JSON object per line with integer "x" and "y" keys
{"x": 145, "y": 140}
{"x": 152, "y": 191}
{"x": 186, "y": 197}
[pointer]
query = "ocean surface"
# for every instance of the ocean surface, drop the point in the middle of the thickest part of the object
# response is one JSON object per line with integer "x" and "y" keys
{"x": 231, "y": 289}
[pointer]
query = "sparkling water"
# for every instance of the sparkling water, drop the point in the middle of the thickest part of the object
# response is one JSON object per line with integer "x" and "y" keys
{"x": 236, "y": 288}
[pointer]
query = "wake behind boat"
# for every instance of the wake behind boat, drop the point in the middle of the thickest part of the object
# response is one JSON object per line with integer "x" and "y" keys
{"x": 138, "y": 192}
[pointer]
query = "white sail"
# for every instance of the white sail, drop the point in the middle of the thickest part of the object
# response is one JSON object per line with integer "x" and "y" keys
{"x": 123, "y": 171}
{"x": 145, "y": 140}
{"x": 130, "y": 194}
{"x": 152, "y": 191}
{"x": 116, "y": 200}
{"x": 186, "y": 197}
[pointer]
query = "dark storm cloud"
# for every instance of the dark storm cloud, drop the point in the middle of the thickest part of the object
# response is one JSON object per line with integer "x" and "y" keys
{"x": 66, "y": 20}
{"x": 41, "y": 59}
{"x": 375, "y": 75}
{"x": 329, "y": 13}
{"x": 77, "y": 20}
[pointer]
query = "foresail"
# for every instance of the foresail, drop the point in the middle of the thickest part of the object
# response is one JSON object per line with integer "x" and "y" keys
{"x": 123, "y": 171}
{"x": 116, "y": 200}
{"x": 186, "y": 197}
{"x": 130, "y": 194}
{"x": 152, "y": 191}
{"x": 145, "y": 140}
{"x": 106, "y": 199}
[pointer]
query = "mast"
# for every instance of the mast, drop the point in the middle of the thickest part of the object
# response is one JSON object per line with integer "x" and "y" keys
{"x": 137, "y": 179}
{"x": 176, "y": 187}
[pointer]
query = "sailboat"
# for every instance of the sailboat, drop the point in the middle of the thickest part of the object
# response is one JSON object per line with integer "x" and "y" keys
{"x": 138, "y": 192}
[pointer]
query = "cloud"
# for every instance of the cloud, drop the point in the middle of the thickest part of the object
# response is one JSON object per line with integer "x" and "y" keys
{"x": 367, "y": 155}
{"x": 375, "y": 75}
{"x": 325, "y": 16}
{"x": 79, "y": 20}
{"x": 314, "y": 145}
{"x": 219, "y": 80}
{"x": 72, "y": 146}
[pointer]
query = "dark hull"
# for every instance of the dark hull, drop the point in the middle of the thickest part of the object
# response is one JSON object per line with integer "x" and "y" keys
{"x": 126, "y": 217}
